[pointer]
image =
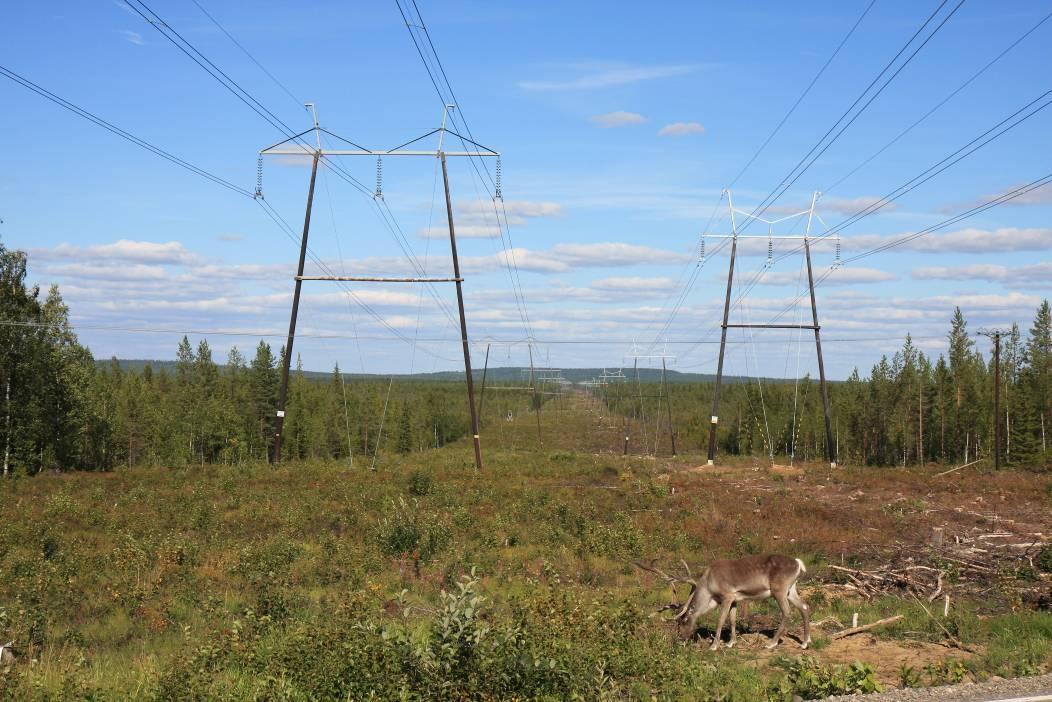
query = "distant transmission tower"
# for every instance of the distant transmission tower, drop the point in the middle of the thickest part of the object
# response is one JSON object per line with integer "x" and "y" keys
{"x": 734, "y": 237}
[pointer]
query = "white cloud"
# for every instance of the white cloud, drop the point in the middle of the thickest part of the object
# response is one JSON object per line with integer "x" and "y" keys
{"x": 477, "y": 219}
{"x": 245, "y": 271}
{"x": 563, "y": 258}
{"x": 618, "y": 119}
{"x": 524, "y": 259}
{"x": 172, "y": 252}
{"x": 843, "y": 276}
{"x": 607, "y": 75}
{"x": 132, "y": 37}
{"x": 633, "y": 283}
{"x": 514, "y": 208}
{"x": 615, "y": 254}
{"x": 963, "y": 241}
{"x": 853, "y": 205}
{"x": 1037, "y": 196}
{"x": 399, "y": 321}
{"x": 982, "y": 302}
{"x": 108, "y": 272}
{"x": 369, "y": 295}
{"x": 678, "y": 129}
{"x": 464, "y": 231}
{"x": 1034, "y": 272}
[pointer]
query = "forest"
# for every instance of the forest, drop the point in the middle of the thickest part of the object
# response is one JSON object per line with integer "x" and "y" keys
{"x": 62, "y": 410}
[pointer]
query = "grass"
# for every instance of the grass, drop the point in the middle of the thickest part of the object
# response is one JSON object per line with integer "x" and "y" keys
{"x": 426, "y": 580}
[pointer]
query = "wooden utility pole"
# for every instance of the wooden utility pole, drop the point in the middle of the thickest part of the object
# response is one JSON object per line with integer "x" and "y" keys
{"x": 463, "y": 319}
{"x": 996, "y": 335}
{"x": 279, "y": 422}
{"x": 668, "y": 406}
{"x": 920, "y": 422}
{"x": 536, "y": 399}
{"x": 714, "y": 418}
{"x": 830, "y": 447}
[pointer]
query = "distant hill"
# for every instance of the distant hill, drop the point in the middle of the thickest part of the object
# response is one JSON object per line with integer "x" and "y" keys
{"x": 500, "y": 374}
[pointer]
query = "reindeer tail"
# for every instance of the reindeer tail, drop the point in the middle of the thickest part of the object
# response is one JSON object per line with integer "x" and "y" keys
{"x": 803, "y": 568}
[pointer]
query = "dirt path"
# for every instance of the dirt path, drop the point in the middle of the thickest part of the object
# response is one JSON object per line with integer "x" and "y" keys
{"x": 886, "y": 656}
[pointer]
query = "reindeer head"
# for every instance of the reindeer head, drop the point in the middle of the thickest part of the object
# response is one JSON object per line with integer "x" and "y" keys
{"x": 687, "y": 613}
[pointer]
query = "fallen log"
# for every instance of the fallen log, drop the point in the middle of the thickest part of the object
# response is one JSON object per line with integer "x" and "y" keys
{"x": 865, "y": 627}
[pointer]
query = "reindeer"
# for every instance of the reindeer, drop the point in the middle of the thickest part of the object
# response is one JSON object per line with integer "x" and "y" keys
{"x": 726, "y": 583}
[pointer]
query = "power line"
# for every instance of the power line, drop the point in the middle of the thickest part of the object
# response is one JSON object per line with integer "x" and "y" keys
{"x": 246, "y": 52}
{"x": 958, "y": 155}
{"x": 242, "y": 94}
{"x": 768, "y": 201}
{"x": 1008, "y": 196}
{"x": 811, "y": 157}
{"x": 169, "y": 33}
{"x": 128, "y": 136}
{"x": 800, "y": 168}
{"x": 945, "y": 163}
{"x": 273, "y": 214}
{"x": 938, "y": 105}
{"x": 961, "y": 153}
{"x": 804, "y": 94}
{"x": 994, "y": 202}
{"x": 509, "y": 249}
{"x": 591, "y": 341}
{"x": 290, "y": 233}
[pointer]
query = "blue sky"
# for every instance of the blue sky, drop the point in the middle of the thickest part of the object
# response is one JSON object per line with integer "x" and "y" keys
{"x": 619, "y": 125}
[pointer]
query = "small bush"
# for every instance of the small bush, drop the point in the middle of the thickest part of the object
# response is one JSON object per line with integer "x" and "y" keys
{"x": 1043, "y": 561}
{"x": 811, "y": 680}
{"x": 420, "y": 483}
{"x": 407, "y": 530}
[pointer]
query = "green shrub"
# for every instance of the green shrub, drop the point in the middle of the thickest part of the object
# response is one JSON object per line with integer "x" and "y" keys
{"x": 420, "y": 483}
{"x": 406, "y": 529}
{"x": 811, "y": 680}
{"x": 1043, "y": 561}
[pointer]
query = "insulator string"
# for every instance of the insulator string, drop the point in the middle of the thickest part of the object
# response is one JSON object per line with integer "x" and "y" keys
{"x": 259, "y": 178}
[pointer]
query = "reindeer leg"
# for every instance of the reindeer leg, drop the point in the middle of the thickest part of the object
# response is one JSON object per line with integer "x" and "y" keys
{"x": 719, "y": 625}
{"x": 805, "y": 611}
{"x": 734, "y": 625}
{"x": 784, "y": 606}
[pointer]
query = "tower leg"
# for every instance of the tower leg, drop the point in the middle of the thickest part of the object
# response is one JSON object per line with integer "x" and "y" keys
{"x": 279, "y": 423}
{"x": 715, "y": 417}
{"x": 830, "y": 446}
{"x": 463, "y": 319}
{"x": 668, "y": 406}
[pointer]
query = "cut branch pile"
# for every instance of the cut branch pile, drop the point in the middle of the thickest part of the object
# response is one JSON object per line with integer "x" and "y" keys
{"x": 922, "y": 581}
{"x": 976, "y": 563}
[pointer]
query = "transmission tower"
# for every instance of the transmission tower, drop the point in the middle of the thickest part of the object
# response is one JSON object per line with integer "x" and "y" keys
{"x": 295, "y": 146}
{"x": 734, "y": 236}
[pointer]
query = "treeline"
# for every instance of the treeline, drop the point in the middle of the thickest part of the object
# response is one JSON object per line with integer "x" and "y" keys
{"x": 910, "y": 409}
{"x": 61, "y": 410}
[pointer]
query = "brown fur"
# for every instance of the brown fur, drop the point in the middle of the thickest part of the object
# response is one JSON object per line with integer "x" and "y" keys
{"x": 726, "y": 583}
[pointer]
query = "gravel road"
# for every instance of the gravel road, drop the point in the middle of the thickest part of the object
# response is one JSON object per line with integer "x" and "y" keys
{"x": 1031, "y": 689}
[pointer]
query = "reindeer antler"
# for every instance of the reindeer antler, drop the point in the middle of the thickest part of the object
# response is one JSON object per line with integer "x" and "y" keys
{"x": 673, "y": 580}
